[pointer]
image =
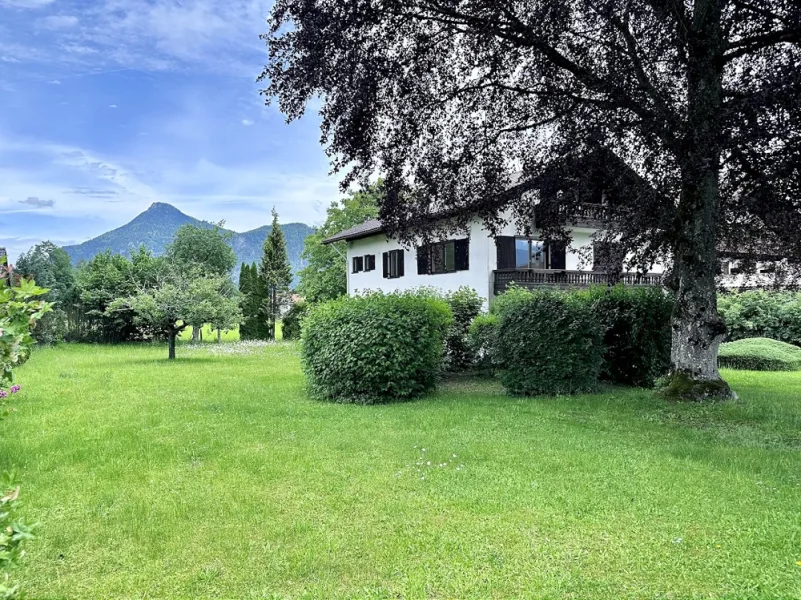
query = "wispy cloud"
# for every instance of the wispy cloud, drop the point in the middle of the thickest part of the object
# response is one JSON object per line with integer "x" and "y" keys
{"x": 37, "y": 202}
{"x": 247, "y": 122}
{"x": 26, "y": 4}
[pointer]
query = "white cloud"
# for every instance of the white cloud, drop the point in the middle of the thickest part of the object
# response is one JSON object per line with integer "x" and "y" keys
{"x": 60, "y": 21}
{"x": 247, "y": 122}
{"x": 54, "y": 82}
{"x": 112, "y": 106}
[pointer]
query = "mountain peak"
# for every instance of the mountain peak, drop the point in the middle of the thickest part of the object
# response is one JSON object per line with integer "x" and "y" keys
{"x": 162, "y": 207}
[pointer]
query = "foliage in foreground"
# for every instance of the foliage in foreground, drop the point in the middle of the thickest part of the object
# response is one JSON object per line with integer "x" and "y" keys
{"x": 548, "y": 343}
{"x": 21, "y": 307}
{"x": 375, "y": 348}
{"x": 760, "y": 354}
{"x": 762, "y": 314}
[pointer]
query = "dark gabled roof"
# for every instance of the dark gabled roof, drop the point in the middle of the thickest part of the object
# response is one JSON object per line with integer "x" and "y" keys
{"x": 366, "y": 229}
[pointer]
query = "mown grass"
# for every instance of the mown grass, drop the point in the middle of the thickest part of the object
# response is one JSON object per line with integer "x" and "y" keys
{"x": 215, "y": 476}
{"x": 209, "y": 335}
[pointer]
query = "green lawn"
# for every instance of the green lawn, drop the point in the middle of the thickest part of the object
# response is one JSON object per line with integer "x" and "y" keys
{"x": 215, "y": 476}
{"x": 210, "y": 335}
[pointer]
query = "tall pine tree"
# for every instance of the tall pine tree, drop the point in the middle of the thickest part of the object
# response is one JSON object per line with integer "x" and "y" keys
{"x": 276, "y": 274}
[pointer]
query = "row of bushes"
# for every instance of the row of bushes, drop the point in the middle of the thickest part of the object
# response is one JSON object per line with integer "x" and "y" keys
{"x": 383, "y": 347}
{"x": 548, "y": 342}
{"x": 762, "y": 314}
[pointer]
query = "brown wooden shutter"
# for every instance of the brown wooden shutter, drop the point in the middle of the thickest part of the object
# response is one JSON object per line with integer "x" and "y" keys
{"x": 386, "y": 265}
{"x": 506, "y": 252}
{"x": 462, "y": 254}
{"x": 424, "y": 260}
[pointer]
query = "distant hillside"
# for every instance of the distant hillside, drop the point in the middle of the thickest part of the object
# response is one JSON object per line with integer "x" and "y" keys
{"x": 156, "y": 227}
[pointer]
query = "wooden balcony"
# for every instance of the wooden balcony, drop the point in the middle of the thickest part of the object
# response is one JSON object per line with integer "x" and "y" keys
{"x": 537, "y": 278}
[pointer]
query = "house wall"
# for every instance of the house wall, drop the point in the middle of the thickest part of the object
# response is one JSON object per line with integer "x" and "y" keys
{"x": 483, "y": 261}
{"x": 478, "y": 277}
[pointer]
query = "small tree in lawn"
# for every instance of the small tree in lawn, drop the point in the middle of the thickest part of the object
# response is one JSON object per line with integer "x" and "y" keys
{"x": 179, "y": 300}
{"x": 276, "y": 273}
{"x": 205, "y": 251}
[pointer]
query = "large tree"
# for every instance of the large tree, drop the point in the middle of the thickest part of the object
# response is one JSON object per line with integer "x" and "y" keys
{"x": 448, "y": 99}
{"x": 325, "y": 275}
{"x": 276, "y": 275}
{"x": 50, "y": 267}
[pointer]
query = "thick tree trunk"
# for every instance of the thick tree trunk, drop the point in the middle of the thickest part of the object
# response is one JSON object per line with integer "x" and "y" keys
{"x": 195, "y": 335}
{"x": 173, "y": 335}
{"x": 219, "y": 336}
{"x": 697, "y": 327}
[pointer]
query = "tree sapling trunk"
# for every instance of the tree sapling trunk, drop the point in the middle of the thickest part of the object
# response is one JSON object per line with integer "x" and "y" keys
{"x": 173, "y": 335}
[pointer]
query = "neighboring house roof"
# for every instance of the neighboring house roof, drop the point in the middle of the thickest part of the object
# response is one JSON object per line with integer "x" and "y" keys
{"x": 366, "y": 229}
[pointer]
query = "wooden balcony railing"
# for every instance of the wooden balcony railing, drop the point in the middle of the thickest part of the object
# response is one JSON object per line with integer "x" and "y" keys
{"x": 535, "y": 278}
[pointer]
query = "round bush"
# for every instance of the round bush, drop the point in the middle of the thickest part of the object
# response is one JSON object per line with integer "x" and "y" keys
{"x": 548, "y": 343}
{"x": 760, "y": 354}
{"x": 374, "y": 348}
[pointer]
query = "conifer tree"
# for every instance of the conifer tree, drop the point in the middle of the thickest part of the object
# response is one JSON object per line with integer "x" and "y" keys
{"x": 276, "y": 275}
{"x": 245, "y": 288}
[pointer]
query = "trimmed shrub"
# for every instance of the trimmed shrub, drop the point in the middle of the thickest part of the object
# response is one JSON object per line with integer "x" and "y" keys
{"x": 482, "y": 341}
{"x": 765, "y": 314}
{"x": 465, "y": 305}
{"x": 637, "y": 339}
{"x": 548, "y": 343}
{"x": 760, "y": 354}
{"x": 291, "y": 323}
{"x": 374, "y": 348}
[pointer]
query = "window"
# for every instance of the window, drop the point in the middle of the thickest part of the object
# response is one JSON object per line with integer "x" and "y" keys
{"x": 364, "y": 263}
{"x": 443, "y": 257}
{"x": 523, "y": 253}
{"x": 393, "y": 264}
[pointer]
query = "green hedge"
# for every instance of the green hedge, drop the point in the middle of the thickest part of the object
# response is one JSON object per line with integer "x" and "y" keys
{"x": 374, "y": 348}
{"x": 765, "y": 314}
{"x": 465, "y": 305}
{"x": 547, "y": 342}
{"x": 637, "y": 334}
{"x": 483, "y": 344}
{"x": 760, "y": 354}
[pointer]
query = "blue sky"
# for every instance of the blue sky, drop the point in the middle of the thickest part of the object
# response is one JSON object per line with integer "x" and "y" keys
{"x": 107, "y": 106}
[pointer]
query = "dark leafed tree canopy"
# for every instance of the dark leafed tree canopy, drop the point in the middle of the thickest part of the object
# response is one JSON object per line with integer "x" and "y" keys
{"x": 699, "y": 98}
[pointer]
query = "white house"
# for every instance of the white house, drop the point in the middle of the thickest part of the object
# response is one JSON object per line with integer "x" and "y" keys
{"x": 482, "y": 262}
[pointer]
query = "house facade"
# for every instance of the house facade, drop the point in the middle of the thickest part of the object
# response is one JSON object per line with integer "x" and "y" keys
{"x": 486, "y": 263}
